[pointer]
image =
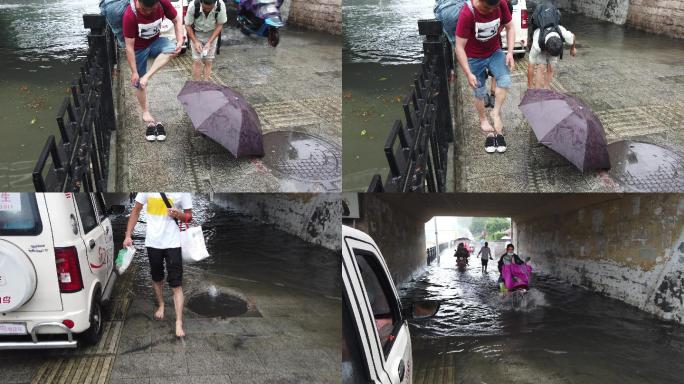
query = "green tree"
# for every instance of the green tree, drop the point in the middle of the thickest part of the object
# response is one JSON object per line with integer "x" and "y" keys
{"x": 495, "y": 227}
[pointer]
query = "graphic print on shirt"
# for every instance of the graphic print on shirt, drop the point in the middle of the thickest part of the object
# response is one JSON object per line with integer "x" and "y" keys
{"x": 485, "y": 31}
{"x": 149, "y": 31}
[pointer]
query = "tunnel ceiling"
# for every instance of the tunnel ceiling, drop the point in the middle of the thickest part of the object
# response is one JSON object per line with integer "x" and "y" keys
{"x": 518, "y": 206}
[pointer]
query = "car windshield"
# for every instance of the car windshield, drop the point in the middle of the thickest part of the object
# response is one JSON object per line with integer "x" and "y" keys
{"x": 19, "y": 214}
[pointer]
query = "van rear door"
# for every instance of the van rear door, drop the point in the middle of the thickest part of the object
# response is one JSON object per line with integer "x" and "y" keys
{"x": 25, "y": 227}
{"x": 377, "y": 309}
{"x": 100, "y": 256}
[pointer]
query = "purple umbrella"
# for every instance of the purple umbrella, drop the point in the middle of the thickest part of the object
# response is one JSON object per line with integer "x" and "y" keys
{"x": 224, "y": 115}
{"x": 566, "y": 125}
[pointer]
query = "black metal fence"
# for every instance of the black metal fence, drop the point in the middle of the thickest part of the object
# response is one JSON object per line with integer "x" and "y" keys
{"x": 79, "y": 159}
{"x": 433, "y": 253}
{"x": 417, "y": 149}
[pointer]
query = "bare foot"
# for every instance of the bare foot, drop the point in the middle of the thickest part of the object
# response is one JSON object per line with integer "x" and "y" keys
{"x": 485, "y": 126}
{"x": 159, "y": 314}
{"x": 498, "y": 123}
{"x": 143, "y": 82}
{"x": 147, "y": 117}
{"x": 179, "y": 329}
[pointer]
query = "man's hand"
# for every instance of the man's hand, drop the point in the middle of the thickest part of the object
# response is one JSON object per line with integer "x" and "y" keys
{"x": 135, "y": 79}
{"x": 174, "y": 213}
{"x": 179, "y": 47}
{"x": 198, "y": 46}
{"x": 127, "y": 242}
{"x": 510, "y": 61}
{"x": 573, "y": 51}
{"x": 143, "y": 82}
{"x": 472, "y": 80}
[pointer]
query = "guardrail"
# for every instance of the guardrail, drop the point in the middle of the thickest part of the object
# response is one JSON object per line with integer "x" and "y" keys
{"x": 79, "y": 161}
{"x": 433, "y": 253}
{"x": 417, "y": 149}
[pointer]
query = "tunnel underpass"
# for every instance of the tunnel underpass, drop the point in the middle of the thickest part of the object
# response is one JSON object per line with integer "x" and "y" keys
{"x": 605, "y": 300}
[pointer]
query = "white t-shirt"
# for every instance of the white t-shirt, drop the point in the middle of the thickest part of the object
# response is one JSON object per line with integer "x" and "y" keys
{"x": 568, "y": 37}
{"x": 162, "y": 232}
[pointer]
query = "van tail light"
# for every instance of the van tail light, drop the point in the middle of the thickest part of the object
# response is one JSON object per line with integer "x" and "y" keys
{"x": 523, "y": 18}
{"x": 68, "y": 323}
{"x": 68, "y": 270}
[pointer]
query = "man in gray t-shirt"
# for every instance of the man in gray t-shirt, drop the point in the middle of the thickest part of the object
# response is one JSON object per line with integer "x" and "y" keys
{"x": 485, "y": 255}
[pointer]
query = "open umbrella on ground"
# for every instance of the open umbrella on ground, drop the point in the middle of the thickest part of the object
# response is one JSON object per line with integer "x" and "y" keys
{"x": 223, "y": 115}
{"x": 564, "y": 124}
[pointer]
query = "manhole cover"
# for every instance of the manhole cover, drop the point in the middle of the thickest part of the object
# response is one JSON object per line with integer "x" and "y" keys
{"x": 218, "y": 304}
{"x": 302, "y": 156}
{"x": 646, "y": 167}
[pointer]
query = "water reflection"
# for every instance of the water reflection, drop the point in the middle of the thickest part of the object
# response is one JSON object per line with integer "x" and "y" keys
{"x": 566, "y": 334}
{"x": 243, "y": 249}
{"x": 41, "y": 42}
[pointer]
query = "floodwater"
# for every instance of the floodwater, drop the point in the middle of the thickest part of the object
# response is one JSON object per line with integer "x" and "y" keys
{"x": 558, "y": 333}
{"x": 242, "y": 249}
{"x": 40, "y": 43}
{"x": 382, "y": 50}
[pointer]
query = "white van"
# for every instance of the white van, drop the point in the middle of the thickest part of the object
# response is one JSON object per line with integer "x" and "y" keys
{"x": 56, "y": 269}
{"x": 520, "y": 18}
{"x": 376, "y": 344}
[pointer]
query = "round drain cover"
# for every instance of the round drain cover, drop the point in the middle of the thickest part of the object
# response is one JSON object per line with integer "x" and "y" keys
{"x": 212, "y": 304}
{"x": 646, "y": 167}
{"x": 302, "y": 156}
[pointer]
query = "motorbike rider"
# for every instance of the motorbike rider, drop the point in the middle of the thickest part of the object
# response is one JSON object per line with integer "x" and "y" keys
{"x": 508, "y": 258}
{"x": 461, "y": 253}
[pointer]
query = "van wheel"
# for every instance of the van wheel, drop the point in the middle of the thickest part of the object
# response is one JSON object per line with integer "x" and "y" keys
{"x": 94, "y": 333}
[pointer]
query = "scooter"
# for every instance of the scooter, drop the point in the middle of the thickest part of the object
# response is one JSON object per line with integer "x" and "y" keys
{"x": 461, "y": 263}
{"x": 261, "y": 18}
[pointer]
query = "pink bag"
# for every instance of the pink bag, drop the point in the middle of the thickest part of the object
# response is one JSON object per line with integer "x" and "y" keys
{"x": 516, "y": 275}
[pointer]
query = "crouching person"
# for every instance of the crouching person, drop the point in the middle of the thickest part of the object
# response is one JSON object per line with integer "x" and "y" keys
{"x": 204, "y": 22}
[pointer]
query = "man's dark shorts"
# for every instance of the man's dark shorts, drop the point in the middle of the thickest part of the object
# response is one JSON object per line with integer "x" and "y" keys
{"x": 484, "y": 262}
{"x": 174, "y": 265}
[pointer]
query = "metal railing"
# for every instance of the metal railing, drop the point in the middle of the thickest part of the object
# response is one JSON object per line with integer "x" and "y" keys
{"x": 417, "y": 149}
{"x": 433, "y": 253}
{"x": 79, "y": 161}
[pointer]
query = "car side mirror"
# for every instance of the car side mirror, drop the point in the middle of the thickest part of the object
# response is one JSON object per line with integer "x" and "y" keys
{"x": 116, "y": 209}
{"x": 424, "y": 309}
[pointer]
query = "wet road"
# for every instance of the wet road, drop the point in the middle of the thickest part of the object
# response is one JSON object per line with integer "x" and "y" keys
{"x": 382, "y": 50}
{"x": 239, "y": 250}
{"x": 40, "y": 43}
{"x": 559, "y": 334}
{"x": 630, "y": 79}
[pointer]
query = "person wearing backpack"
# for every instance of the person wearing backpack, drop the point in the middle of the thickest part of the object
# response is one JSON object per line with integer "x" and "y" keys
{"x": 478, "y": 50}
{"x": 141, "y": 29}
{"x": 548, "y": 38}
{"x": 204, "y": 22}
{"x": 162, "y": 241}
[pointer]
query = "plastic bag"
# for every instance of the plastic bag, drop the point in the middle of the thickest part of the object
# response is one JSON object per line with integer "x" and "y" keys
{"x": 124, "y": 258}
{"x": 193, "y": 246}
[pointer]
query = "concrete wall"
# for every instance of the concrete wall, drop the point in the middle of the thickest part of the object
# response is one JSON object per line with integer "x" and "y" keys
{"x": 319, "y": 15}
{"x": 401, "y": 237}
{"x": 657, "y": 16}
{"x": 315, "y": 218}
{"x": 631, "y": 249}
{"x": 614, "y": 11}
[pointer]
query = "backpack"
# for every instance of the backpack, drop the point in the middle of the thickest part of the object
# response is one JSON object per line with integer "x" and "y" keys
{"x": 547, "y": 19}
{"x": 198, "y": 8}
